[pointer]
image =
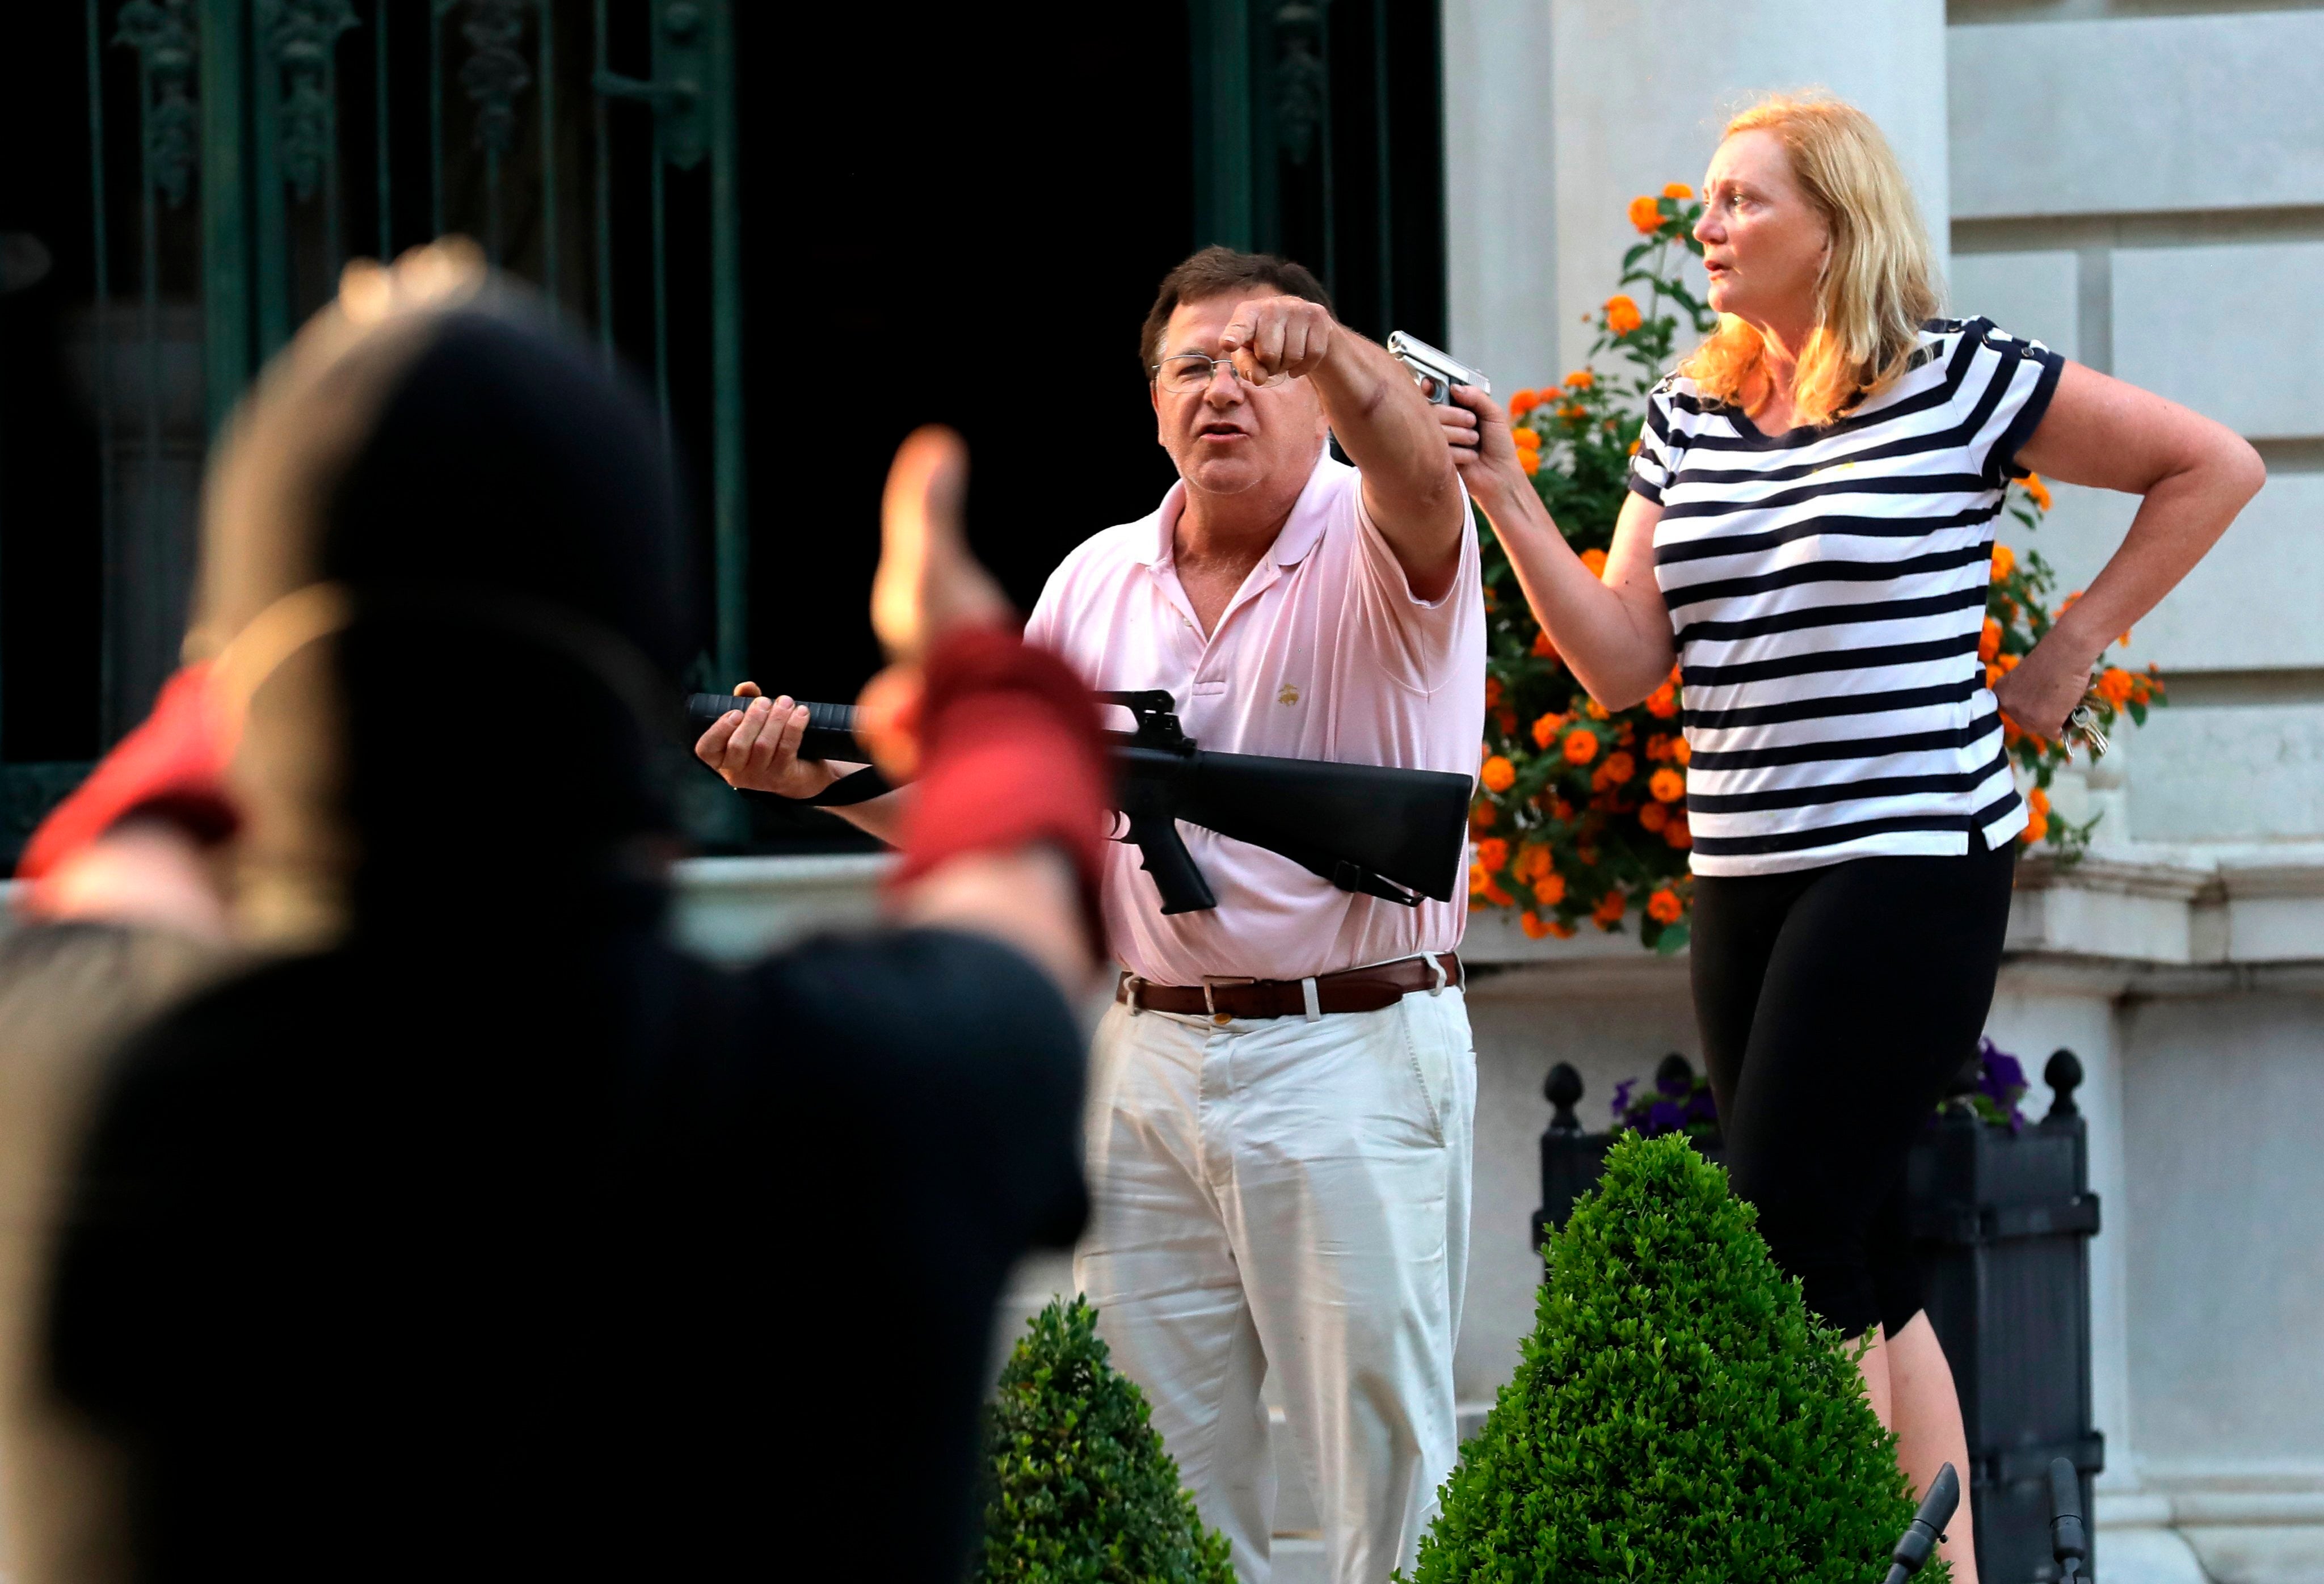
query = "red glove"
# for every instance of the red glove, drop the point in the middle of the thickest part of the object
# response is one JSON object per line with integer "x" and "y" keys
{"x": 1010, "y": 753}
{"x": 172, "y": 767}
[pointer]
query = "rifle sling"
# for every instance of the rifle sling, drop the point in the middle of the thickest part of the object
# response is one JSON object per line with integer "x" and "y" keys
{"x": 863, "y": 785}
{"x": 856, "y": 787}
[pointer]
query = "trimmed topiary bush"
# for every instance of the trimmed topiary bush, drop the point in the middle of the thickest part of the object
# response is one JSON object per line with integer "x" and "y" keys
{"x": 1083, "y": 1491}
{"x": 1677, "y": 1415}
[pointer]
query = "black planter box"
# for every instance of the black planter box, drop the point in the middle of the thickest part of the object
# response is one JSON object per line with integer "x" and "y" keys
{"x": 2002, "y": 1222}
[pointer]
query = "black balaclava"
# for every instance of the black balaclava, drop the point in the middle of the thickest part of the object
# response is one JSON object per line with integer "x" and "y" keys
{"x": 507, "y": 534}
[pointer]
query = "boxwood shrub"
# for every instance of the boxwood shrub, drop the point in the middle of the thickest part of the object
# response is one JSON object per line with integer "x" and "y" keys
{"x": 1082, "y": 1491}
{"x": 1677, "y": 1415}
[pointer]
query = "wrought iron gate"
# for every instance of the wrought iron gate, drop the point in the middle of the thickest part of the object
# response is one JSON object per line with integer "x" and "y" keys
{"x": 240, "y": 150}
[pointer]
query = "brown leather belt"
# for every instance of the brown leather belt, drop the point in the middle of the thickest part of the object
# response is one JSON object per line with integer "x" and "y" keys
{"x": 1354, "y": 989}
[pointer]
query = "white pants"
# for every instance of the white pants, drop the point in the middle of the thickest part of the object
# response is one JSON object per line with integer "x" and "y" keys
{"x": 1289, "y": 1195}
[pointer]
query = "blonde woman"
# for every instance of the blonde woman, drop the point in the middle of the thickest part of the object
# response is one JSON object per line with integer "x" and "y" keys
{"x": 1808, "y": 534}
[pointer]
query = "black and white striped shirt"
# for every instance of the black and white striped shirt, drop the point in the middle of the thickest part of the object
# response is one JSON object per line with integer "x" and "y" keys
{"x": 1827, "y": 587}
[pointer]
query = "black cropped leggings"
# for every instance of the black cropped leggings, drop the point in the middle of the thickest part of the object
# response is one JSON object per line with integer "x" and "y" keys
{"x": 1835, "y": 1006}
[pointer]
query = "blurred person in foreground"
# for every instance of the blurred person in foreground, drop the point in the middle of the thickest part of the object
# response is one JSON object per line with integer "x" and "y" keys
{"x": 119, "y": 913}
{"x": 1808, "y": 533}
{"x": 479, "y": 1227}
{"x": 1285, "y": 1087}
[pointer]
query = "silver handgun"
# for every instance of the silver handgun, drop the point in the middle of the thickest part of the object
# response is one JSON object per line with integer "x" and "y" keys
{"x": 1435, "y": 373}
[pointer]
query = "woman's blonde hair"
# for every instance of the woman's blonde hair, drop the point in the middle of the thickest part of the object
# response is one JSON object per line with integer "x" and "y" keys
{"x": 1878, "y": 285}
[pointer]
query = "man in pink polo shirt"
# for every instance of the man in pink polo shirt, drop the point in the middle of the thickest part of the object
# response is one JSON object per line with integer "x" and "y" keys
{"x": 1282, "y": 1094}
{"x": 1285, "y": 1195}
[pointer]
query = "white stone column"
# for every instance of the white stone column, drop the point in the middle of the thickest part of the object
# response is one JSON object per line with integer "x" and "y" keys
{"x": 1501, "y": 209}
{"x": 1643, "y": 87}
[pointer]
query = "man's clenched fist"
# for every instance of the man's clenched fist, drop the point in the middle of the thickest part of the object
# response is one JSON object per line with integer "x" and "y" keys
{"x": 1271, "y": 339}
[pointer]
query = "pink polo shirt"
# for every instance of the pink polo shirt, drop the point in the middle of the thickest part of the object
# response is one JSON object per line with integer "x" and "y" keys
{"x": 1323, "y": 653}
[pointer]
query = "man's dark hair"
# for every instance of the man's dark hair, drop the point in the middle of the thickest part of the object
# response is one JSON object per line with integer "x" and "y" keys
{"x": 1214, "y": 273}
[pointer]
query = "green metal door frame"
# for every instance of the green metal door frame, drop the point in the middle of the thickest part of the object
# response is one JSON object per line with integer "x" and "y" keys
{"x": 245, "y": 287}
{"x": 1271, "y": 135}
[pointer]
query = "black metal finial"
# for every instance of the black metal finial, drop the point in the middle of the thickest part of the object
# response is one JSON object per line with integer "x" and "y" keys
{"x": 1675, "y": 1075}
{"x": 2063, "y": 1073}
{"x": 1562, "y": 1089}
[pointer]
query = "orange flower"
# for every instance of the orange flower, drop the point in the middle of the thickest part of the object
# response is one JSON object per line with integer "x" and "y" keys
{"x": 1492, "y": 691}
{"x": 1529, "y": 462}
{"x": 2037, "y": 800}
{"x": 1549, "y": 890}
{"x": 1989, "y": 641}
{"x": 1593, "y": 709}
{"x": 2035, "y": 829}
{"x": 2038, "y": 489}
{"x": 1478, "y": 880}
{"x": 1645, "y": 213}
{"x": 1667, "y": 786}
{"x": 1506, "y": 719}
{"x": 1633, "y": 450}
{"x": 1683, "y": 752}
{"x": 1679, "y": 191}
{"x": 1580, "y": 380}
{"x": 1581, "y": 747}
{"x": 1524, "y": 439}
{"x": 1658, "y": 747}
{"x": 1663, "y": 702}
{"x": 1655, "y": 816}
{"x": 1530, "y": 922}
{"x": 1677, "y": 833}
{"x": 1482, "y": 815}
{"x": 1622, "y": 315}
{"x": 2005, "y": 562}
{"x": 1547, "y": 728}
{"x": 1530, "y": 863}
{"x": 1664, "y": 906}
{"x": 1544, "y": 647}
{"x": 1596, "y": 561}
{"x": 1610, "y": 910}
{"x": 1499, "y": 774}
{"x": 1618, "y": 768}
{"x": 1523, "y": 402}
{"x": 2115, "y": 686}
{"x": 1560, "y": 929}
{"x": 1573, "y": 412}
{"x": 1493, "y": 855}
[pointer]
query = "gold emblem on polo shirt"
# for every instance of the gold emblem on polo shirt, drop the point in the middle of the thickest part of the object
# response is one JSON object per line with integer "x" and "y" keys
{"x": 1290, "y": 694}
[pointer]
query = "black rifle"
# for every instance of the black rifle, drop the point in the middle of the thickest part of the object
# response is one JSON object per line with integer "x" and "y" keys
{"x": 1928, "y": 1526}
{"x": 1398, "y": 835}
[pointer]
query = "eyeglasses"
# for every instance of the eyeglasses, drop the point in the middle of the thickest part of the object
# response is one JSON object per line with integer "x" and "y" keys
{"x": 1190, "y": 373}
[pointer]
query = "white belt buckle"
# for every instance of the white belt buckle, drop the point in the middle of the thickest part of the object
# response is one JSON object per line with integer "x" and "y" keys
{"x": 1132, "y": 984}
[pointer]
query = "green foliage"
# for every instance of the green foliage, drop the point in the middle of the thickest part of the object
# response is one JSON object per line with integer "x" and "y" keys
{"x": 1677, "y": 1415}
{"x": 1083, "y": 1491}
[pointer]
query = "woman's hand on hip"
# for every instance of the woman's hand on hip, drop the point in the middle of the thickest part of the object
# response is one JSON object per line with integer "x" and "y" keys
{"x": 2043, "y": 688}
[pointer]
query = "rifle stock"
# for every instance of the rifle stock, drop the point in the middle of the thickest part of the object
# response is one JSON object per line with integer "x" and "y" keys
{"x": 1375, "y": 830}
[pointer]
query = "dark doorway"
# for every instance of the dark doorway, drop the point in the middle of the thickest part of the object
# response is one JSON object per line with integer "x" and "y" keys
{"x": 959, "y": 218}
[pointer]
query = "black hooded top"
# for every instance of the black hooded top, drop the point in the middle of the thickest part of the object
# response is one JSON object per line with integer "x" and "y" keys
{"x": 498, "y": 1235}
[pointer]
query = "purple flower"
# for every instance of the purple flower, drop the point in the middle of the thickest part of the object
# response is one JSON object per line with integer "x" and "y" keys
{"x": 1662, "y": 1117}
{"x": 1701, "y": 1108}
{"x": 1622, "y": 1096}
